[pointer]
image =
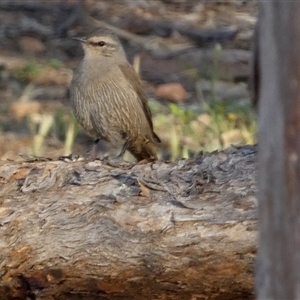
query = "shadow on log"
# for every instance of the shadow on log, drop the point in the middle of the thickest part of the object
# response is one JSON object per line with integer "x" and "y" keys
{"x": 86, "y": 230}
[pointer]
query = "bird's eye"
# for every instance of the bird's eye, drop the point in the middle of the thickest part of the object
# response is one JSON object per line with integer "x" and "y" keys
{"x": 101, "y": 44}
{"x": 98, "y": 44}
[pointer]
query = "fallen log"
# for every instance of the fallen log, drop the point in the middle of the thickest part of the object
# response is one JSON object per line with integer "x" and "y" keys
{"x": 87, "y": 230}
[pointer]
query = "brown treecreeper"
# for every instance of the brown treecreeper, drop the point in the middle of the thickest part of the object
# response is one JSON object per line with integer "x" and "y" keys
{"x": 108, "y": 99}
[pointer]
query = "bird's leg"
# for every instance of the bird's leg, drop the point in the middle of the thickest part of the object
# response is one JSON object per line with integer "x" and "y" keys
{"x": 118, "y": 161}
{"x": 73, "y": 157}
{"x": 125, "y": 147}
{"x": 89, "y": 151}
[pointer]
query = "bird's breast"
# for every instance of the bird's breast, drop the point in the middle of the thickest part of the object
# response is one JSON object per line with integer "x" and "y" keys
{"x": 109, "y": 103}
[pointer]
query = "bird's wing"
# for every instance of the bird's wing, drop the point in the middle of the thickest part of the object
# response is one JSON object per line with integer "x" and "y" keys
{"x": 134, "y": 80}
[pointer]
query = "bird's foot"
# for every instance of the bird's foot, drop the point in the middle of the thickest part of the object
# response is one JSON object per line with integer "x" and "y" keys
{"x": 116, "y": 162}
{"x": 147, "y": 161}
{"x": 71, "y": 158}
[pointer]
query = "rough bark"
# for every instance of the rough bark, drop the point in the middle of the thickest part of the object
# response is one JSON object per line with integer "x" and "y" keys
{"x": 87, "y": 230}
{"x": 278, "y": 273}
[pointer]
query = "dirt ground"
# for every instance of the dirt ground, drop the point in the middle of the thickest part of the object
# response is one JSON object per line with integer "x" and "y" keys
{"x": 171, "y": 42}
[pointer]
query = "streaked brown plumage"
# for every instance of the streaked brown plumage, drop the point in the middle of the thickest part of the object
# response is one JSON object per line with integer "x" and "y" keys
{"x": 108, "y": 99}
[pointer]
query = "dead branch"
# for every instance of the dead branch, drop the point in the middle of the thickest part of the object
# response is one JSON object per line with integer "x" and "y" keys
{"x": 182, "y": 230}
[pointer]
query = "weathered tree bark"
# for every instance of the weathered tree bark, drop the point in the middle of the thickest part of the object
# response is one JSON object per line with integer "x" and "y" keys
{"x": 86, "y": 230}
{"x": 278, "y": 273}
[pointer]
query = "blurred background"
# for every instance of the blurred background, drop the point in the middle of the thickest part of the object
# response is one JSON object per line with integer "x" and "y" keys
{"x": 194, "y": 59}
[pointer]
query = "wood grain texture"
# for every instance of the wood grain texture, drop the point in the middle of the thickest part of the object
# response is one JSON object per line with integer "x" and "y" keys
{"x": 86, "y": 230}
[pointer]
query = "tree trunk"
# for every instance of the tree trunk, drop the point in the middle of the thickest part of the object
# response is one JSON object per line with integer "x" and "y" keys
{"x": 87, "y": 230}
{"x": 278, "y": 273}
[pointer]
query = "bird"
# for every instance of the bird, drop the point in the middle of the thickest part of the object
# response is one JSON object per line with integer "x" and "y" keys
{"x": 108, "y": 99}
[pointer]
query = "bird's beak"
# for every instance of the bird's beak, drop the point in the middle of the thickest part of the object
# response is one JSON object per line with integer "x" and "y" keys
{"x": 81, "y": 40}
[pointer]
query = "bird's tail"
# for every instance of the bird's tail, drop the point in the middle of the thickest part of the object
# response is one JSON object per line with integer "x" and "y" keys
{"x": 146, "y": 151}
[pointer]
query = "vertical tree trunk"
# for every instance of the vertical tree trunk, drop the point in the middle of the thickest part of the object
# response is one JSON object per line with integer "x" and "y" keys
{"x": 278, "y": 271}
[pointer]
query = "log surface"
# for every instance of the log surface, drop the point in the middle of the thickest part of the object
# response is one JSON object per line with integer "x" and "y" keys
{"x": 86, "y": 230}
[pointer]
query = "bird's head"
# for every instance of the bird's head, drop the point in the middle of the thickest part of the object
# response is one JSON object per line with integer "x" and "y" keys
{"x": 102, "y": 43}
